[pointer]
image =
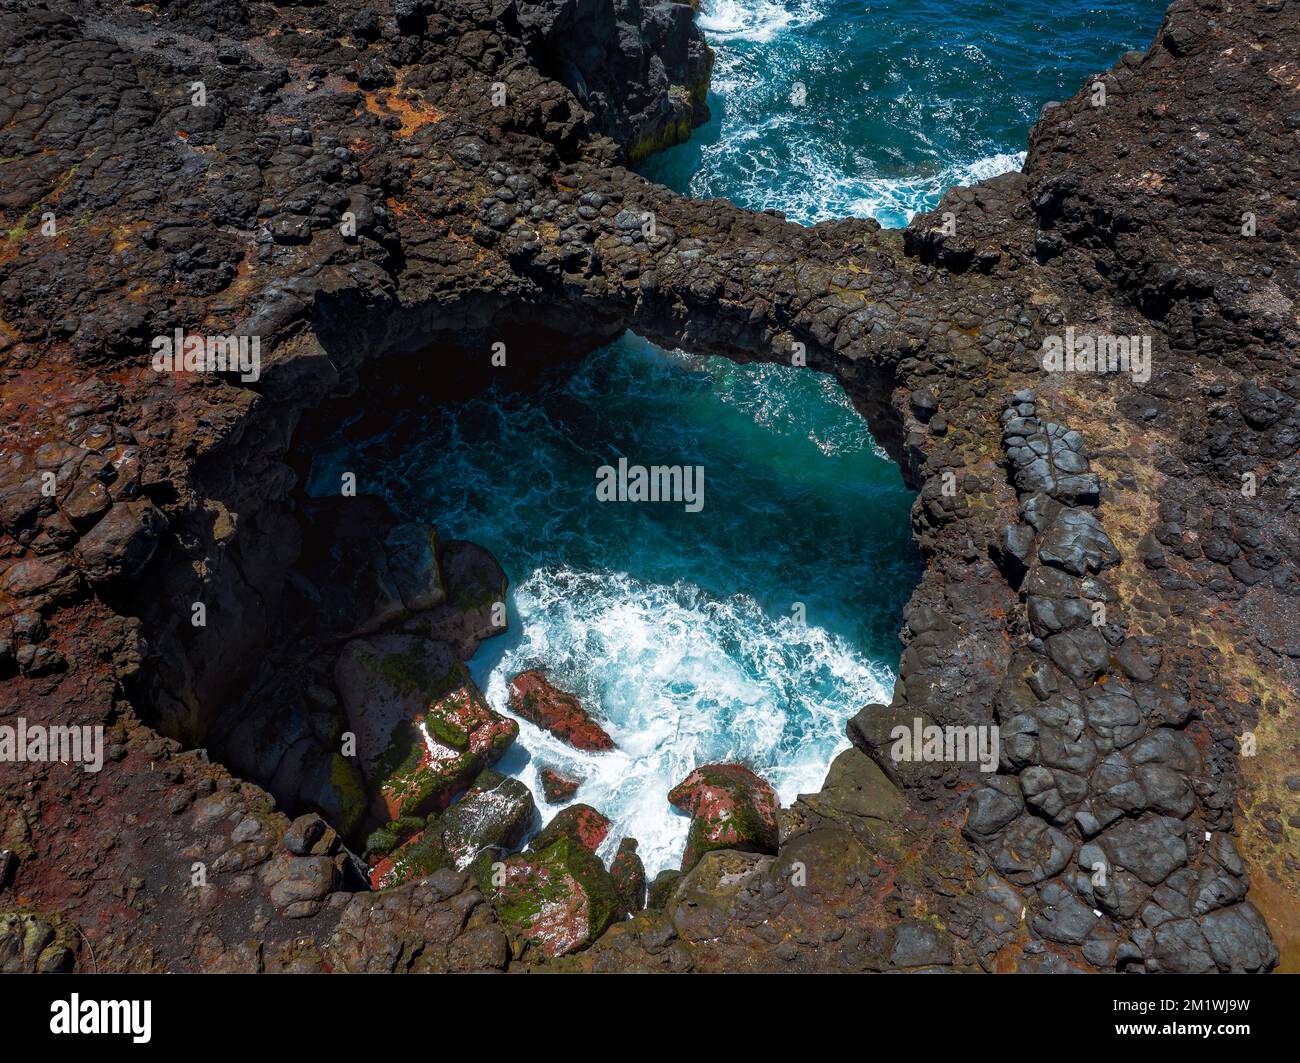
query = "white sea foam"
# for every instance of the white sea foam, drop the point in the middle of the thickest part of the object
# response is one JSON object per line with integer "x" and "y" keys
{"x": 678, "y": 678}
{"x": 895, "y": 201}
{"x": 747, "y": 20}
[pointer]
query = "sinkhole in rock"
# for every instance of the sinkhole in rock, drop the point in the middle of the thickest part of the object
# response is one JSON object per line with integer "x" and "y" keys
{"x": 747, "y": 628}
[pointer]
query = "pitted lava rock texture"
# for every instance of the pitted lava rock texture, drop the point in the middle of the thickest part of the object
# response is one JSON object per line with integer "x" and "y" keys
{"x": 641, "y": 69}
{"x": 1112, "y": 561}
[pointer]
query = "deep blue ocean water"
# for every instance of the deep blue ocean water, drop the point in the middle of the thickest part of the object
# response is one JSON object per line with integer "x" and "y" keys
{"x": 901, "y": 98}
{"x": 752, "y": 629}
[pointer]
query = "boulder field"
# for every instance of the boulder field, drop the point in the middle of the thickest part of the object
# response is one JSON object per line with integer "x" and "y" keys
{"x": 389, "y": 193}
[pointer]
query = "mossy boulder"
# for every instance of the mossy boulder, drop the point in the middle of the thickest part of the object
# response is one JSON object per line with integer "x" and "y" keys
{"x": 418, "y": 857}
{"x": 581, "y": 823}
{"x": 33, "y": 942}
{"x": 347, "y": 784}
{"x": 380, "y": 842}
{"x": 538, "y": 701}
{"x": 285, "y": 736}
{"x": 412, "y": 555}
{"x": 661, "y": 889}
{"x": 557, "y": 899}
{"x": 730, "y": 808}
{"x": 492, "y": 818}
{"x": 432, "y": 760}
{"x": 629, "y": 876}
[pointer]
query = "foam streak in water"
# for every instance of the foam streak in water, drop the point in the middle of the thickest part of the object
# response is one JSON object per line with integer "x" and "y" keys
{"x": 679, "y": 678}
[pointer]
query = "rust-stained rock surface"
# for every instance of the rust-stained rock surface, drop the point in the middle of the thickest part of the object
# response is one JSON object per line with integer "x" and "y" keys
{"x": 538, "y": 700}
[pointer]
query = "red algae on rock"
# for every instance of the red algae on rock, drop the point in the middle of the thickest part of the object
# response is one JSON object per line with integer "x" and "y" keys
{"x": 533, "y": 697}
{"x": 730, "y": 808}
{"x": 453, "y": 741}
{"x": 558, "y": 787}
{"x": 558, "y": 896}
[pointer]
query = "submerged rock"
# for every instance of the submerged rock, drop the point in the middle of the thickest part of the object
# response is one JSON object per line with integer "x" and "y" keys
{"x": 558, "y": 788}
{"x": 731, "y": 808}
{"x": 534, "y": 698}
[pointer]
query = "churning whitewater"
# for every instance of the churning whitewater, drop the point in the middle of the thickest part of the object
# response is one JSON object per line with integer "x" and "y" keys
{"x": 749, "y": 630}
{"x": 874, "y": 108}
{"x": 680, "y": 678}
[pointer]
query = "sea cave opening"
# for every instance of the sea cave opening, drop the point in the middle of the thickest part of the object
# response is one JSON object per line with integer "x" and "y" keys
{"x": 748, "y": 629}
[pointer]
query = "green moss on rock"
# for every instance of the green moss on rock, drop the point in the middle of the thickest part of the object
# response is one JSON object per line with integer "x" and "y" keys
{"x": 345, "y": 778}
{"x": 381, "y": 842}
{"x": 448, "y": 733}
{"x": 558, "y": 899}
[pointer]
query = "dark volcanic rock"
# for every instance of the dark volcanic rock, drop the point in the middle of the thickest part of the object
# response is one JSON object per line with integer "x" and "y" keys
{"x": 629, "y": 876}
{"x": 380, "y": 192}
{"x": 640, "y": 66}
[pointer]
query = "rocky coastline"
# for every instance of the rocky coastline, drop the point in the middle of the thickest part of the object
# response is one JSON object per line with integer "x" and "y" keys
{"x": 394, "y": 195}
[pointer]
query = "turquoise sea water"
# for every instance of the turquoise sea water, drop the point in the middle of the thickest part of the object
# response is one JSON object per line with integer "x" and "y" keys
{"x": 752, "y": 629}
{"x": 749, "y": 630}
{"x": 901, "y": 98}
